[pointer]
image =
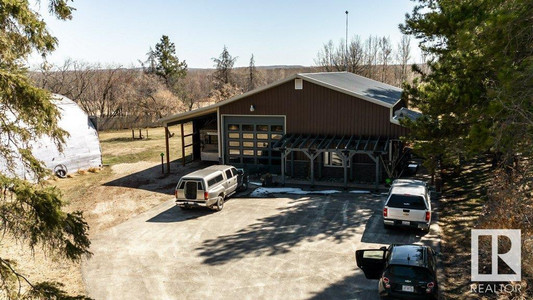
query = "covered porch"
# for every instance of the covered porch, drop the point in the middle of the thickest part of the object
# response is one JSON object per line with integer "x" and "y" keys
{"x": 345, "y": 147}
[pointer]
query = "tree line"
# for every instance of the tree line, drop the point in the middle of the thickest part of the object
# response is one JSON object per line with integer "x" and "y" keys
{"x": 164, "y": 84}
{"x": 375, "y": 57}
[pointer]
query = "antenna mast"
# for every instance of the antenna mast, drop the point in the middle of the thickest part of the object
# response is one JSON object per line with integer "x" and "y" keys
{"x": 346, "y": 41}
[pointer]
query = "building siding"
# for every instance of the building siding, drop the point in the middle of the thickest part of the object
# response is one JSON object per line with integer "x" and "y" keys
{"x": 318, "y": 110}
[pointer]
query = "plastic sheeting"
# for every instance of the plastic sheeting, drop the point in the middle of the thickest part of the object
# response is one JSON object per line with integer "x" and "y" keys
{"x": 80, "y": 151}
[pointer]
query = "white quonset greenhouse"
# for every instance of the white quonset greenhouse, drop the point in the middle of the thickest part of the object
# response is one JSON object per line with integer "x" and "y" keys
{"x": 80, "y": 151}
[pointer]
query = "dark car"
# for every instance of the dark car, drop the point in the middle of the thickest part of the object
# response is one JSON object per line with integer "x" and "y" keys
{"x": 404, "y": 271}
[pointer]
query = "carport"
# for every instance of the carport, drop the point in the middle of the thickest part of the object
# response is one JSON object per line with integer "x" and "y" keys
{"x": 344, "y": 146}
{"x": 199, "y": 119}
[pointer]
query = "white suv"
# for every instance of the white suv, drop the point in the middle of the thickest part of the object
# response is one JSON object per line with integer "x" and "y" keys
{"x": 408, "y": 204}
{"x": 208, "y": 187}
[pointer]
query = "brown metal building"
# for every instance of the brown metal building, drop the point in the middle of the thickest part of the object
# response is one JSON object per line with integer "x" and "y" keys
{"x": 311, "y": 125}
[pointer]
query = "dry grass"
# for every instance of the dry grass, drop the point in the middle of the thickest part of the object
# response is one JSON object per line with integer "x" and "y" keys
{"x": 465, "y": 206}
{"x": 103, "y": 205}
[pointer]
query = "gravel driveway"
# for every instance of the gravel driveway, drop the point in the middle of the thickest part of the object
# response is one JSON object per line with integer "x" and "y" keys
{"x": 296, "y": 247}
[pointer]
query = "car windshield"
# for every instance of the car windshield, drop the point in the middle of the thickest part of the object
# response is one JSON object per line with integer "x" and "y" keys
{"x": 410, "y": 272}
{"x": 406, "y": 201}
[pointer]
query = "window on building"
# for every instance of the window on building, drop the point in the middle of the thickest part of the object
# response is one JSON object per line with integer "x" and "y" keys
{"x": 332, "y": 159}
{"x": 233, "y": 127}
{"x": 262, "y": 127}
{"x": 247, "y": 127}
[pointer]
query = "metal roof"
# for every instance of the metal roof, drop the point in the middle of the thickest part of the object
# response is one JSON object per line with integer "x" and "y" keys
{"x": 358, "y": 85}
{"x": 406, "y": 113}
{"x": 348, "y": 83}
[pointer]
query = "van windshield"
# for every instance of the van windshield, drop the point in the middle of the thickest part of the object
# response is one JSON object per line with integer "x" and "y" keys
{"x": 406, "y": 201}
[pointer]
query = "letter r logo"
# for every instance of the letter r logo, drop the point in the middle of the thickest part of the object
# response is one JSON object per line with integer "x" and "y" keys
{"x": 512, "y": 258}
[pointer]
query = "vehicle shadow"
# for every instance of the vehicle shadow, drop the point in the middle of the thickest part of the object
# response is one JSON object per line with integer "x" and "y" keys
{"x": 303, "y": 219}
{"x": 355, "y": 286}
{"x": 176, "y": 214}
{"x": 153, "y": 179}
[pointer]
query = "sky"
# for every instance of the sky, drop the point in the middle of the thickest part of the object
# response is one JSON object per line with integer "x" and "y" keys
{"x": 276, "y": 32}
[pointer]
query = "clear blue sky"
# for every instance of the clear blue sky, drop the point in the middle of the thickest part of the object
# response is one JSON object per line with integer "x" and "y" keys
{"x": 277, "y": 32}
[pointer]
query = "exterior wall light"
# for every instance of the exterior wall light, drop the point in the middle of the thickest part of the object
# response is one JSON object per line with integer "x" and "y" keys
{"x": 252, "y": 108}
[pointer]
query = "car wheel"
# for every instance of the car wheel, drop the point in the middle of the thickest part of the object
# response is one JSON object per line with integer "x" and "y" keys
{"x": 220, "y": 203}
{"x": 60, "y": 171}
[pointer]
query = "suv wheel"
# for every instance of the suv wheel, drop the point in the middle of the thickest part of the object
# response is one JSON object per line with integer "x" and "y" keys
{"x": 220, "y": 203}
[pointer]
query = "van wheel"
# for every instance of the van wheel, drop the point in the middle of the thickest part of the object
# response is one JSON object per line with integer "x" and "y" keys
{"x": 220, "y": 203}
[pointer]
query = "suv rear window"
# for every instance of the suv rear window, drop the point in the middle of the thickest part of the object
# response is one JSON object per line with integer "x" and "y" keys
{"x": 411, "y": 272}
{"x": 406, "y": 201}
{"x": 182, "y": 185}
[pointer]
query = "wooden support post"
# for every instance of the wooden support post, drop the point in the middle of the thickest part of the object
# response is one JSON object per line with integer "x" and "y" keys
{"x": 133, "y": 134}
{"x": 167, "y": 135}
{"x": 344, "y": 167}
{"x": 377, "y": 173}
{"x": 292, "y": 164}
{"x": 140, "y": 134}
{"x": 312, "y": 170}
{"x": 320, "y": 165}
{"x": 352, "y": 154}
{"x": 283, "y": 155}
{"x": 182, "y": 146}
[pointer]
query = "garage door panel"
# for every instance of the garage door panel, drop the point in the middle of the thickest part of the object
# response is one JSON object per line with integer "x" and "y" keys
{"x": 249, "y": 139}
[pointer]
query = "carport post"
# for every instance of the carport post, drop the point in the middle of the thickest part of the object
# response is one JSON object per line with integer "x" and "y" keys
{"x": 167, "y": 133}
{"x": 182, "y": 146}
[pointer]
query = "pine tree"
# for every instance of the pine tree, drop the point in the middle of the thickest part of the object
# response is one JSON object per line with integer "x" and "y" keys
{"x": 252, "y": 74}
{"x": 31, "y": 212}
{"x": 477, "y": 96}
{"x": 224, "y": 67}
{"x": 167, "y": 64}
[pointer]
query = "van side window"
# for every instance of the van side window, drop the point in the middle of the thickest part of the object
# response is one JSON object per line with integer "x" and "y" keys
{"x": 228, "y": 174}
{"x": 182, "y": 185}
{"x": 234, "y": 171}
{"x": 219, "y": 178}
{"x": 200, "y": 185}
{"x": 212, "y": 181}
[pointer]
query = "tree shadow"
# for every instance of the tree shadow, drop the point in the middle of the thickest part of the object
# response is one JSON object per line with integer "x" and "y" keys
{"x": 154, "y": 180}
{"x": 176, "y": 214}
{"x": 303, "y": 219}
{"x": 387, "y": 95}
